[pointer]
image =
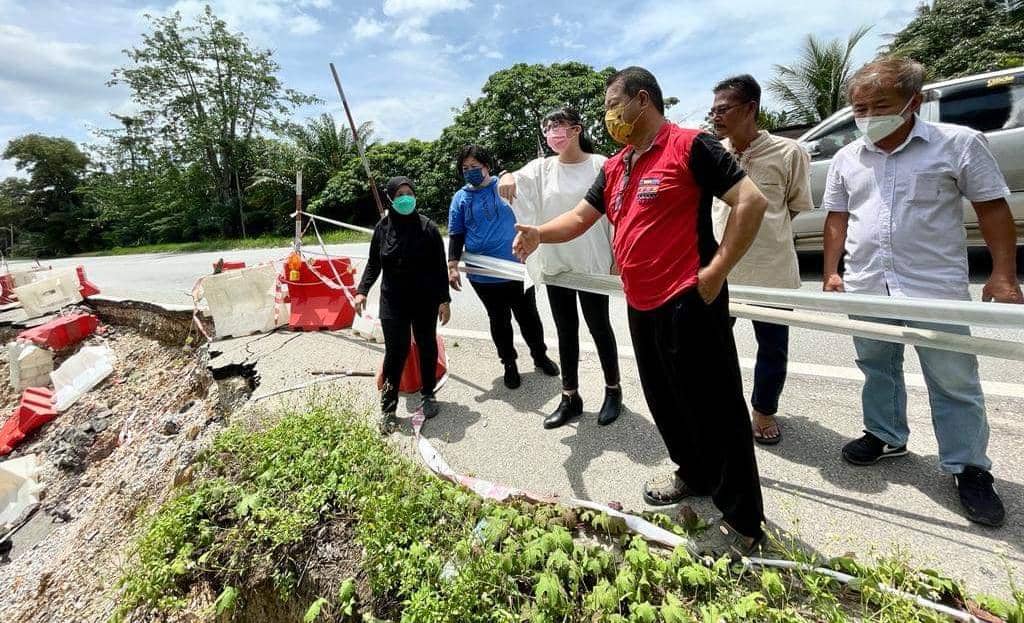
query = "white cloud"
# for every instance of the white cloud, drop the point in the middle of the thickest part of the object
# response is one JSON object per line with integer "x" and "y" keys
{"x": 566, "y": 33}
{"x": 498, "y": 8}
{"x": 423, "y": 8}
{"x": 487, "y": 52}
{"x": 367, "y": 27}
{"x": 303, "y": 25}
{"x": 46, "y": 78}
{"x": 316, "y": 4}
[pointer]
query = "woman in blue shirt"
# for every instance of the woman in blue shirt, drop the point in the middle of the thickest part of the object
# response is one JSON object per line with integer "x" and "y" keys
{"x": 480, "y": 222}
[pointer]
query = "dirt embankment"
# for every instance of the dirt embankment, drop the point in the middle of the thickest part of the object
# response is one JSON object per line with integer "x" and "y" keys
{"x": 115, "y": 453}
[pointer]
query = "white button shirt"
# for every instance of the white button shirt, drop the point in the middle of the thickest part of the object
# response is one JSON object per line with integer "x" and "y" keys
{"x": 906, "y": 231}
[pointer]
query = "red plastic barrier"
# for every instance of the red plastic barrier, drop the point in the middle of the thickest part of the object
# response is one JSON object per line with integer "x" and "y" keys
{"x": 86, "y": 287}
{"x": 36, "y": 409}
{"x": 227, "y": 266}
{"x": 7, "y": 289}
{"x": 410, "y": 382}
{"x": 63, "y": 332}
{"x": 314, "y": 304}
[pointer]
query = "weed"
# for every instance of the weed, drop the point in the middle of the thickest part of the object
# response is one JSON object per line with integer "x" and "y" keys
{"x": 442, "y": 555}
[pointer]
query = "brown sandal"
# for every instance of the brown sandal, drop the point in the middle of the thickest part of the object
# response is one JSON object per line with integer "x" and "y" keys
{"x": 666, "y": 490}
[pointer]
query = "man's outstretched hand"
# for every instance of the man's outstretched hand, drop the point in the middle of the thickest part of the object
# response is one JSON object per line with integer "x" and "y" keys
{"x": 526, "y": 242}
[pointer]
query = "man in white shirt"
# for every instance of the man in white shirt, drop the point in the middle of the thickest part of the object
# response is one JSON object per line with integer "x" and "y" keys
{"x": 894, "y": 200}
{"x": 781, "y": 170}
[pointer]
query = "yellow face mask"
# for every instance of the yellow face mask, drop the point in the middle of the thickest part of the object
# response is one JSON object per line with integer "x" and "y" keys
{"x": 618, "y": 128}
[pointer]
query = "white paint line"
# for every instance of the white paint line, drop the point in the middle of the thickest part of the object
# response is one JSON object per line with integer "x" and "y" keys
{"x": 992, "y": 388}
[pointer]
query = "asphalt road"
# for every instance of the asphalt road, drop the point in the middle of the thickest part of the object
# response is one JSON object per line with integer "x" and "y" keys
{"x": 903, "y": 506}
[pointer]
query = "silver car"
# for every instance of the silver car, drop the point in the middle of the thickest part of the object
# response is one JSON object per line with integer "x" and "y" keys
{"x": 992, "y": 103}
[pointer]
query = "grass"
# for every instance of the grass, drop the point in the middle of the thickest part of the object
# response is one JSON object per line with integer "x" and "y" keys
{"x": 428, "y": 551}
{"x": 262, "y": 242}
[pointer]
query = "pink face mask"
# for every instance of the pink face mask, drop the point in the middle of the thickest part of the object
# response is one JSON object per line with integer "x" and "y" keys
{"x": 558, "y": 139}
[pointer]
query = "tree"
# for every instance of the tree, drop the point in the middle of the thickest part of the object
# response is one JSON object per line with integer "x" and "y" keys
{"x": 954, "y": 38}
{"x": 206, "y": 93}
{"x": 47, "y": 208}
{"x": 815, "y": 86}
{"x": 507, "y": 117}
{"x": 772, "y": 119}
{"x": 347, "y": 196}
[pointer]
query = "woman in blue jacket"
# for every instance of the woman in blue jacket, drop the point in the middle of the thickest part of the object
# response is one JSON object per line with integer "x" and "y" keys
{"x": 480, "y": 222}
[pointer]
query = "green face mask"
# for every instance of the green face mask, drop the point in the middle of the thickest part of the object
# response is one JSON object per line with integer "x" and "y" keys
{"x": 404, "y": 205}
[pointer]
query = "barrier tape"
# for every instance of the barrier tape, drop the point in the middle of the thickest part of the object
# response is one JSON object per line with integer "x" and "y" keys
{"x": 640, "y": 526}
{"x": 365, "y": 230}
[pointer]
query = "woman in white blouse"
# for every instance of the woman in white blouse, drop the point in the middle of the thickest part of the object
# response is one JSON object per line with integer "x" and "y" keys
{"x": 542, "y": 190}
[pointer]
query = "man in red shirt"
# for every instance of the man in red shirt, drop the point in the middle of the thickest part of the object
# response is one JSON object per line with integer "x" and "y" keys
{"x": 657, "y": 194}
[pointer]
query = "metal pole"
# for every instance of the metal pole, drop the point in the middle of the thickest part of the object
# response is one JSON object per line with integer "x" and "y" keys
{"x": 359, "y": 144}
{"x": 298, "y": 209}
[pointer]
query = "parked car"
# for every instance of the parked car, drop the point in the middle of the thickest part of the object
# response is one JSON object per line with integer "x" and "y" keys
{"x": 992, "y": 103}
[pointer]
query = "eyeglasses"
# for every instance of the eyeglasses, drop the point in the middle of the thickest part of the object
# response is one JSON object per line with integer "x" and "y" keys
{"x": 549, "y": 129}
{"x": 721, "y": 110}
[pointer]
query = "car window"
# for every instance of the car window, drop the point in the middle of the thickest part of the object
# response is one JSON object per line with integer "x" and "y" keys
{"x": 824, "y": 145}
{"x": 987, "y": 107}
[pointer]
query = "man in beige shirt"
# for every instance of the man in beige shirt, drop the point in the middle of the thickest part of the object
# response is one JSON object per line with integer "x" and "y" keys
{"x": 781, "y": 170}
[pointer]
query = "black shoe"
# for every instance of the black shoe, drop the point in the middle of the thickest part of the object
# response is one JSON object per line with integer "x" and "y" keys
{"x": 869, "y": 449}
{"x": 545, "y": 365}
{"x": 430, "y": 407}
{"x": 570, "y": 407}
{"x": 612, "y": 407}
{"x": 979, "y": 497}
{"x": 512, "y": 378}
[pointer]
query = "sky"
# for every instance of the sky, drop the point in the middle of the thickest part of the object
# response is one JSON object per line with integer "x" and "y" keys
{"x": 405, "y": 64}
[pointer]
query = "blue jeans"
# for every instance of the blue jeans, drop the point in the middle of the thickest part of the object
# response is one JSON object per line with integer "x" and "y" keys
{"x": 770, "y": 367}
{"x": 954, "y": 393}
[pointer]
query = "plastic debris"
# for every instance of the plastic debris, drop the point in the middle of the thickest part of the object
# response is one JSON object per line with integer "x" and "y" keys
{"x": 50, "y": 294}
{"x": 34, "y": 410}
{"x": 62, "y": 332}
{"x": 19, "y": 490}
{"x": 30, "y": 366}
{"x": 80, "y": 373}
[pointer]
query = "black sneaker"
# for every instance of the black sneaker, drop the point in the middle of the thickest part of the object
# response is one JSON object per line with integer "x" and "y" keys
{"x": 569, "y": 408}
{"x": 430, "y": 407}
{"x": 545, "y": 365}
{"x": 869, "y": 449}
{"x": 979, "y": 497}
{"x": 612, "y": 406}
{"x": 512, "y": 378}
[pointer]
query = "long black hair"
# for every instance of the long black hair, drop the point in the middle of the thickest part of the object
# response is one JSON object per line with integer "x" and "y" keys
{"x": 571, "y": 117}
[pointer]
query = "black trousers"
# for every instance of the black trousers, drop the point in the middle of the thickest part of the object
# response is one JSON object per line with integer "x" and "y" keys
{"x": 397, "y": 332}
{"x": 771, "y": 366}
{"x": 690, "y": 374}
{"x": 502, "y": 300}
{"x": 567, "y": 322}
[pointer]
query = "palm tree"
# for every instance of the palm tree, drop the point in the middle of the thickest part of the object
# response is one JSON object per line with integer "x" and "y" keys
{"x": 815, "y": 86}
{"x": 320, "y": 148}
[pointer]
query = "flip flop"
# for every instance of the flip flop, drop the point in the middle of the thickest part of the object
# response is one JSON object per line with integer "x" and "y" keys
{"x": 759, "y": 433}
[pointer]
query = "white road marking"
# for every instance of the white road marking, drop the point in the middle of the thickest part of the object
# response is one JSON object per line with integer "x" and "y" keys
{"x": 993, "y": 388}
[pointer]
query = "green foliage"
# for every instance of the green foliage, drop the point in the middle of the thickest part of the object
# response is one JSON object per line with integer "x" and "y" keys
{"x": 47, "y": 210}
{"x": 206, "y": 93}
{"x": 954, "y": 38}
{"x": 445, "y": 555}
{"x": 814, "y": 86}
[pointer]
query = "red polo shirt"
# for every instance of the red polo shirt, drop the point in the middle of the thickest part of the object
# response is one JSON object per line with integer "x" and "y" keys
{"x": 661, "y": 211}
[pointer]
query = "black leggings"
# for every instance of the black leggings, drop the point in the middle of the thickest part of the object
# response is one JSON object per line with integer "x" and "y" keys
{"x": 502, "y": 300}
{"x": 567, "y": 322}
{"x": 397, "y": 334}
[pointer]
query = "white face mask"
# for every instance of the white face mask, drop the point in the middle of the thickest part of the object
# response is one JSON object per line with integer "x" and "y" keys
{"x": 878, "y": 127}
